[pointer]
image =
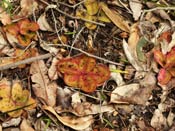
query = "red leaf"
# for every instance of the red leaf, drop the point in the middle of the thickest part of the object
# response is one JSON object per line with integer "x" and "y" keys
{"x": 164, "y": 76}
{"x": 25, "y": 26}
{"x": 172, "y": 71}
{"x": 12, "y": 29}
{"x": 159, "y": 57}
{"x": 170, "y": 59}
{"x": 83, "y": 72}
{"x": 166, "y": 36}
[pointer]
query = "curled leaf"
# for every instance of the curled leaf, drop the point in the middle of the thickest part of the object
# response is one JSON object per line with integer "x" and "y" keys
{"x": 83, "y": 72}
{"x": 164, "y": 76}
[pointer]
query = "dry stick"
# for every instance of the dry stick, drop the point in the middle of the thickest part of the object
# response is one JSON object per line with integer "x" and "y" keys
{"x": 26, "y": 61}
{"x": 154, "y": 9}
{"x": 75, "y": 40}
{"x": 88, "y": 54}
{"x": 72, "y": 6}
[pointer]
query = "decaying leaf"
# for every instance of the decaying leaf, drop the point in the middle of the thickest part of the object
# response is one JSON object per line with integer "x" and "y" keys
{"x": 139, "y": 49}
{"x": 43, "y": 24}
{"x": 76, "y": 123}
{"x": 133, "y": 92}
{"x": 27, "y": 7}
{"x": 42, "y": 86}
{"x": 91, "y": 6}
{"x": 12, "y": 122}
{"x": 136, "y": 8}
{"x": 164, "y": 76}
{"x": 130, "y": 56}
{"x": 23, "y": 31}
{"x": 4, "y": 17}
{"x": 83, "y": 72}
{"x": 25, "y": 126}
{"x": 158, "y": 121}
{"x": 115, "y": 17}
{"x": 15, "y": 99}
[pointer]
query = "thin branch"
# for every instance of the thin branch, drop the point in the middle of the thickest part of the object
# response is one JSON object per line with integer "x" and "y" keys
{"x": 154, "y": 9}
{"x": 26, "y": 61}
{"x": 72, "y": 6}
{"x": 88, "y": 54}
{"x": 75, "y": 40}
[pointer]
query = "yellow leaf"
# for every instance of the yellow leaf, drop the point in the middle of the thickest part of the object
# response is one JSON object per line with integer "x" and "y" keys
{"x": 91, "y": 6}
{"x": 88, "y": 24}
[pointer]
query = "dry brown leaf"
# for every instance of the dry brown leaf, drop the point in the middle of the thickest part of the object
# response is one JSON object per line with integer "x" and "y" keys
{"x": 158, "y": 121}
{"x": 134, "y": 36}
{"x": 4, "y": 17}
{"x": 43, "y": 24}
{"x": 28, "y": 7}
{"x": 42, "y": 86}
{"x": 115, "y": 17}
{"x": 52, "y": 72}
{"x": 12, "y": 122}
{"x": 133, "y": 92}
{"x": 76, "y": 123}
{"x": 25, "y": 126}
{"x": 143, "y": 126}
{"x": 136, "y": 8}
{"x": 4, "y": 47}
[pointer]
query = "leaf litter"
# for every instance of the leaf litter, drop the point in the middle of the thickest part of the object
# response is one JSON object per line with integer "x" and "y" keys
{"x": 87, "y": 65}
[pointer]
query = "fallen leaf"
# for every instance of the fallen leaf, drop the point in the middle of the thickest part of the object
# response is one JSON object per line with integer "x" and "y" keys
{"x": 24, "y": 126}
{"x": 136, "y": 7}
{"x": 91, "y": 6}
{"x": 76, "y": 123}
{"x": 116, "y": 76}
{"x": 52, "y": 71}
{"x": 21, "y": 33}
{"x": 28, "y": 7}
{"x": 115, "y": 17}
{"x": 13, "y": 100}
{"x": 132, "y": 93}
{"x": 83, "y": 72}
{"x": 42, "y": 86}
{"x": 158, "y": 121}
{"x": 43, "y": 24}
{"x": 164, "y": 76}
{"x": 4, "y": 17}
{"x": 159, "y": 57}
{"x": 12, "y": 122}
{"x": 139, "y": 49}
{"x": 130, "y": 56}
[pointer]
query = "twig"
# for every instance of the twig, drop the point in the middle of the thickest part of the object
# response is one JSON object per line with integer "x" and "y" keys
{"x": 125, "y": 7}
{"x": 154, "y": 9}
{"x": 72, "y": 6}
{"x": 88, "y": 54}
{"x": 26, "y": 61}
{"x": 75, "y": 40}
